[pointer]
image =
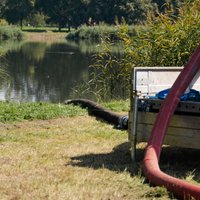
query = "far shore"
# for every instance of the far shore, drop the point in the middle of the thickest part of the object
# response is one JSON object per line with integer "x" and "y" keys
{"x": 45, "y": 36}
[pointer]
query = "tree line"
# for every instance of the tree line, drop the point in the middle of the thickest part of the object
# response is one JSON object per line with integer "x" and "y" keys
{"x": 73, "y": 13}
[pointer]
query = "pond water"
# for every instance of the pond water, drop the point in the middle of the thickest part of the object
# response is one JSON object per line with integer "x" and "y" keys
{"x": 42, "y": 71}
{"x": 39, "y": 71}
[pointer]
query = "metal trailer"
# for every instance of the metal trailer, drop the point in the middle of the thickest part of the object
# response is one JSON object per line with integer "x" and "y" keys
{"x": 184, "y": 129}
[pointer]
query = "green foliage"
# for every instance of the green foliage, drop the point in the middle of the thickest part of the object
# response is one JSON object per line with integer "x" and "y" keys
{"x": 94, "y": 12}
{"x": 36, "y": 20}
{"x": 93, "y": 32}
{"x": 10, "y": 111}
{"x": 109, "y": 76}
{"x": 73, "y": 13}
{"x": 168, "y": 41}
{"x": 3, "y": 22}
{"x": 10, "y": 32}
{"x": 16, "y": 10}
{"x": 117, "y": 105}
{"x": 98, "y": 32}
{"x": 133, "y": 11}
{"x": 107, "y": 73}
{"x": 63, "y": 12}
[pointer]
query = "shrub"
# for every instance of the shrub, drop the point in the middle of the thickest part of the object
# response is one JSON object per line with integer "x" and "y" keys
{"x": 10, "y": 32}
{"x": 3, "y": 22}
{"x": 37, "y": 20}
{"x": 97, "y": 32}
{"x": 166, "y": 40}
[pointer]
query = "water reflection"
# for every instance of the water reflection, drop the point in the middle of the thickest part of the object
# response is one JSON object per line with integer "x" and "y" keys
{"x": 44, "y": 72}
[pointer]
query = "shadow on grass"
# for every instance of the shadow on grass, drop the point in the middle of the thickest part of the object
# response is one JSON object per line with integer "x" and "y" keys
{"x": 60, "y": 31}
{"x": 181, "y": 162}
{"x": 34, "y": 30}
{"x": 177, "y": 162}
{"x": 118, "y": 160}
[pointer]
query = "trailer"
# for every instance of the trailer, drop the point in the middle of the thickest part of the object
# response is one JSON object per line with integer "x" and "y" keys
{"x": 184, "y": 128}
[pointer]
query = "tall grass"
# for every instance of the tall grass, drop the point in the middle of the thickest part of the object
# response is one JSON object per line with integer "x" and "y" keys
{"x": 98, "y": 31}
{"x": 10, "y": 32}
{"x": 169, "y": 40}
{"x": 166, "y": 40}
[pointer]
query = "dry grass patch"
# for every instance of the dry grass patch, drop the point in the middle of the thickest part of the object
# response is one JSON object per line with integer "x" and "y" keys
{"x": 69, "y": 158}
{"x": 45, "y": 36}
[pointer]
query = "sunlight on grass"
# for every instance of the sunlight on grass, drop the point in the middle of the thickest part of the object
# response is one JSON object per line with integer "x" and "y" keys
{"x": 77, "y": 158}
{"x": 13, "y": 111}
{"x": 53, "y": 158}
{"x": 118, "y": 106}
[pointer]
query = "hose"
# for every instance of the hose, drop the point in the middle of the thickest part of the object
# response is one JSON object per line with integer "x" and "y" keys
{"x": 120, "y": 121}
{"x": 151, "y": 167}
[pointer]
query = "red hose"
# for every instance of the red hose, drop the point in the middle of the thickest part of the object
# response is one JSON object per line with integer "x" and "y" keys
{"x": 151, "y": 168}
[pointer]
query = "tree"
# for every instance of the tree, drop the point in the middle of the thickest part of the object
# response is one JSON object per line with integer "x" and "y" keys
{"x": 63, "y": 12}
{"x": 2, "y": 6}
{"x": 37, "y": 19}
{"x": 133, "y": 11}
{"x": 16, "y": 10}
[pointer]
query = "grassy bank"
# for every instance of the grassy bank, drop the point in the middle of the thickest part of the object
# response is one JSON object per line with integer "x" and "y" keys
{"x": 30, "y": 33}
{"x": 12, "y": 111}
{"x": 10, "y": 32}
{"x": 43, "y": 29}
{"x": 98, "y": 31}
{"x": 47, "y": 34}
{"x": 79, "y": 157}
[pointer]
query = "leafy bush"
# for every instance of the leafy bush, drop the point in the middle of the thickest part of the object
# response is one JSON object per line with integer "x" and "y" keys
{"x": 169, "y": 40}
{"x": 10, "y": 32}
{"x": 166, "y": 40}
{"x": 3, "y": 22}
{"x": 98, "y": 31}
{"x": 36, "y": 20}
{"x": 107, "y": 73}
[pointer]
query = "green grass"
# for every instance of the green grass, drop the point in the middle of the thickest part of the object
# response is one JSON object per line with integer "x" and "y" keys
{"x": 52, "y": 158}
{"x": 11, "y": 111}
{"x": 118, "y": 105}
{"x": 42, "y": 29}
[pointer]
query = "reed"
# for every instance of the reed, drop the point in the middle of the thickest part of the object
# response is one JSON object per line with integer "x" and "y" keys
{"x": 98, "y": 31}
{"x": 166, "y": 40}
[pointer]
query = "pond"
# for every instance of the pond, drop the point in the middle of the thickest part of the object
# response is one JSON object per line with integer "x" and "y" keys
{"x": 42, "y": 71}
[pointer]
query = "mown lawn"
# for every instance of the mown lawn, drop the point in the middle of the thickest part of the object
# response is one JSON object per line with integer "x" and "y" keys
{"x": 78, "y": 157}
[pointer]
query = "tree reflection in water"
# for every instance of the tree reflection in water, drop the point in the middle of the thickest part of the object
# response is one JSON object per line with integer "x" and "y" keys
{"x": 44, "y": 72}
